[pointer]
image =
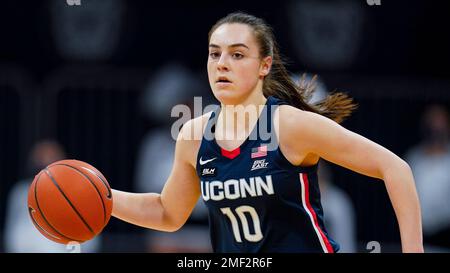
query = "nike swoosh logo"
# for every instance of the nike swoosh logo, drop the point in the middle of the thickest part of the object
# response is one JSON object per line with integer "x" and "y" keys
{"x": 206, "y": 161}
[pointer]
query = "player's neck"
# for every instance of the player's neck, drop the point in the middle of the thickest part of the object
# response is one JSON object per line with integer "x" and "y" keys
{"x": 237, "y": 121}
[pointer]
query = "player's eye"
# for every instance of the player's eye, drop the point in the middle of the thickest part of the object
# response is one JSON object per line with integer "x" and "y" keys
{"x": 237, "y": 55}
{"x": 214, "y": 55}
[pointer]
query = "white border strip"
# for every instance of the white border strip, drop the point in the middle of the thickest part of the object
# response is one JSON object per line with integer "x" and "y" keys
{"x": 322, "y": 243}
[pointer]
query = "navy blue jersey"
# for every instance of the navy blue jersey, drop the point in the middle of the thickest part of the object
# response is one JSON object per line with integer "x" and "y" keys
{"x": 257, "y": 200}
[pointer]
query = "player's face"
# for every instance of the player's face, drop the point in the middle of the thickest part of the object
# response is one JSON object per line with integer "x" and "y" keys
{"x": 235, "y": 68}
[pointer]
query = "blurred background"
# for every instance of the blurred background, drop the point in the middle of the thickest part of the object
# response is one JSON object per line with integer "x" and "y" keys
{"x": 97, "y": 81}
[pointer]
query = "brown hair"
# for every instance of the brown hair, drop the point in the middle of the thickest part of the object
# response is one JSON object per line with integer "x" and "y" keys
{"x": 278, "y": 83}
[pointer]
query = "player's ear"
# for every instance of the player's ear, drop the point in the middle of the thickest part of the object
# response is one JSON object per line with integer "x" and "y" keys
{"x": 266, "y": 64}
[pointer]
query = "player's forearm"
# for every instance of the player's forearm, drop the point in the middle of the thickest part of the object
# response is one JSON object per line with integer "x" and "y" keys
{"x": 142, "y": 209}
{"x": 401, "y": 188}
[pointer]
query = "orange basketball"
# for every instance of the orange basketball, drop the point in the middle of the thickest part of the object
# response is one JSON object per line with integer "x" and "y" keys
{"x": 70, "y": 200}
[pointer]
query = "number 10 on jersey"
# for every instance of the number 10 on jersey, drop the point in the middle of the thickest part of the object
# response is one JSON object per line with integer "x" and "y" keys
{"x": 240, "y": 212}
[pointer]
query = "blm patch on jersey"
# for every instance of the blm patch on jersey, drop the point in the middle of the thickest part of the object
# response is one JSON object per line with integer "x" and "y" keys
{"x": 209, "y": 172}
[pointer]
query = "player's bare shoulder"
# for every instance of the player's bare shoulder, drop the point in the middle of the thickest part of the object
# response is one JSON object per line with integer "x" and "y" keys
{"x": 190, "y": 137}
{"x": 288, "y": 118}
{"x": 193, "y": 129}
{"x": 293, "y": 127}
{"x": 293, "y": 120}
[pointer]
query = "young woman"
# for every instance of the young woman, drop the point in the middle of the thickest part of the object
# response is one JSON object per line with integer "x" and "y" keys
{"x": 263, "y": 197}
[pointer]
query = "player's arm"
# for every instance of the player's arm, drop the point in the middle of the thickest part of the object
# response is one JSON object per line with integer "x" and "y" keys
{"x": 311, "y": 133}
{"x": 170, "y": 209}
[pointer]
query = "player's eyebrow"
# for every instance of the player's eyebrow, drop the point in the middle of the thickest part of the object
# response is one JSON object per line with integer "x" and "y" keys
{"x": 230, "y": 46}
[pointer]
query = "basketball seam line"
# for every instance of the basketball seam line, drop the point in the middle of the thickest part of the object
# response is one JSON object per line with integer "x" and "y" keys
{"x": 43, "y": 215}
{"x": 31, "y": 209}
{"x": 68, "y": 201}
{"x": 99, "y": 175}
{"x": 93, "y": 184}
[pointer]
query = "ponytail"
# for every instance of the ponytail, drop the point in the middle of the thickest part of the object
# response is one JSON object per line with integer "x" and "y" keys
{"x": 278, "y": 83}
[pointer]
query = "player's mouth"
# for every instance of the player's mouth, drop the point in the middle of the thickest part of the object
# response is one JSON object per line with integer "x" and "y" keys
{"x": 223, "y": 82}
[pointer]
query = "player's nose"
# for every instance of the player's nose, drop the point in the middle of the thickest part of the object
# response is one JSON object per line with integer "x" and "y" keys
{"x": 222, "y": 64}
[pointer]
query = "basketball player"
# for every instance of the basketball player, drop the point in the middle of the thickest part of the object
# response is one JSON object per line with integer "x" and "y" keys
{"x": 263, "y": 197}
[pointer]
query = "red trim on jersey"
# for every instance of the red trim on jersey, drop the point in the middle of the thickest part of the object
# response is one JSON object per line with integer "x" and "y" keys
{"x": 313, "y": 213}
{"x": 231, "y": 154}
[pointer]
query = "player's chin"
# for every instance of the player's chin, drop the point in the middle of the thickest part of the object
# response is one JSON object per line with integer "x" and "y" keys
{"x": 226, "y": 95}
